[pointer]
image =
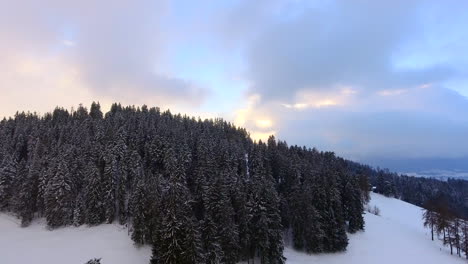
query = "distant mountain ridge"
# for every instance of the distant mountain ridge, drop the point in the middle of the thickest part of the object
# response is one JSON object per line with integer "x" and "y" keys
{"x": 440, "y": 174}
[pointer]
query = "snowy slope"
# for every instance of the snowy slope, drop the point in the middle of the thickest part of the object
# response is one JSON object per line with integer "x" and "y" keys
{"x": 37, "y": 245}
{"x": 397, "y": 236}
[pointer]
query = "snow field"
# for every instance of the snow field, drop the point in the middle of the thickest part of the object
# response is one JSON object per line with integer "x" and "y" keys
{"x": 395, "y": 237}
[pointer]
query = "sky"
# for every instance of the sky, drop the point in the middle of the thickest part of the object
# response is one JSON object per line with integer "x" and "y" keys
{"x": 381, "y": 82}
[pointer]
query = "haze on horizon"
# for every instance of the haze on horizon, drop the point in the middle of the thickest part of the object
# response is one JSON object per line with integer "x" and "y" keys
{"x": 383, "y": 82}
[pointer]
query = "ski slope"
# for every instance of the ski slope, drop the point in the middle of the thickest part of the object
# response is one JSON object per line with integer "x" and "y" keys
{"x": 397, "y": 236}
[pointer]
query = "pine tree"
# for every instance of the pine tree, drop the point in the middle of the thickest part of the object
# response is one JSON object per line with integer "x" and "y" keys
{"x": 139, "y": 211}
{"x": 305, "y": 220}
{"x": 95, "y": 111}
{"x": 380, "y": 185}
{"x": 178, "y": 240}
{"x": 94, "y": 205}
{"x": 28, "y": 193}
{"x": 47, "y": 173}
{"x": 212, "y": 246}
{"x": 220, "y": 232}
{"x": 266, "y": 229}
{"x": 79, "y": 211}
{"x": 241, "y": 205}
{"x": 353, "y": 206}
{"x": 8, "y": 171}
{"x": 58, "y": 198}
{"x": 109, "y": 186}
{"x": 333, "y": 223}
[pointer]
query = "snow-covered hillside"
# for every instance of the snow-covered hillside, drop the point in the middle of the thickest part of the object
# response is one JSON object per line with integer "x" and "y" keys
{"x": 397, "y": 236}
{"x": 37, "y": 245}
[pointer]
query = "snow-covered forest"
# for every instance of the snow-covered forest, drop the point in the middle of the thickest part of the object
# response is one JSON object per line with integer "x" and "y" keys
{"x": 198, "y": 191}
{"x": 420, "y": 190}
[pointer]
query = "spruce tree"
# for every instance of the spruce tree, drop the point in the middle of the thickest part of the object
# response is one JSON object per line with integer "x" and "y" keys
{"x": 139, "y": 212}
{"x": 8, "y": 172}
{"x": 94, "y": 202}
{"x": 58, "y": 198}
{"x": 353, "y": 206}
{"x": 178, "y": 240}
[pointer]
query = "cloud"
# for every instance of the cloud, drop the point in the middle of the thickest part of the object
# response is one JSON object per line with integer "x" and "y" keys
{"x": 39, "y": 84}
{"x": 117, "y": 48}
{"x": 343, "y": 43}
{"x": 416, "y": 124}
{"x": 354, "y": 77}
{"x": 363, "y": 78}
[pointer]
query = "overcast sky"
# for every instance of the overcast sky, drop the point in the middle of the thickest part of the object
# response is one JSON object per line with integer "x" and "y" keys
{"x": 370, "y": 80}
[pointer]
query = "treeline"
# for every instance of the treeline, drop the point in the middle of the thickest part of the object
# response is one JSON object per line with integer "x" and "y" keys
{"x": 446, "y": 225}
{"x": 199, "y": 191}
{"x": 418, "y": 190}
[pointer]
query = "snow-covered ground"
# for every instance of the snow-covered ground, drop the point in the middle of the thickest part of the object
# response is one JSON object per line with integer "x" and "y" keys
{"x": 37, "y": 245}
{"x": 397, "y": 236}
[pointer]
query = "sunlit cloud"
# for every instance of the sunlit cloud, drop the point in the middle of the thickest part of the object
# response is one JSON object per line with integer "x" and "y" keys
{"x": 244, "y": 114}
{"x": 255, "y": 118}
{"x": 325, "y": 103}
{"x": 263, "y": 123}
{"x": 296, "y": 105}
{"x": 39, "y": 83}
{"x": 348, "y": 90}
{"x": 392, "y": 92}
{"x": 425, "y": 86}
{"x": 29, "y": 67}
{"x": 68, "y": 43}
{"x": 263, "y": 136}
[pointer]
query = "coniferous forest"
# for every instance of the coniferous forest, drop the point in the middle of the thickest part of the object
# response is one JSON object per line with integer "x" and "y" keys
{"x": 419, "y": 190}
{"x": 198, "y": 191}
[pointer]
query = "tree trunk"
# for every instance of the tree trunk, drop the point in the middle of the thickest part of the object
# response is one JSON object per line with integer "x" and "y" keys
{"x": 432, "y": 232}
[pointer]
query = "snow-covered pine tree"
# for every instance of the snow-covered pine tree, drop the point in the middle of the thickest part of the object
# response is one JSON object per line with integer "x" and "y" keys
{"x": 109, "y": 185}
{"x": 59, "y": 202}
{"x": 353, "y": 205}
{"x": 95, "y": 111}
{"x": 178, "y": 239}
{"x": 27, "y": 195}
{"x": 93, "y": 198}
{"x": 79, "y": 210}
{"x": 333, "y": 222}
{"x": 121, "y": 195}
{"x": 305, "y": 220}
{"x": 8, "y": 171}
{"x": 266, "y": 240}
{"x": 140, "y": 228}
